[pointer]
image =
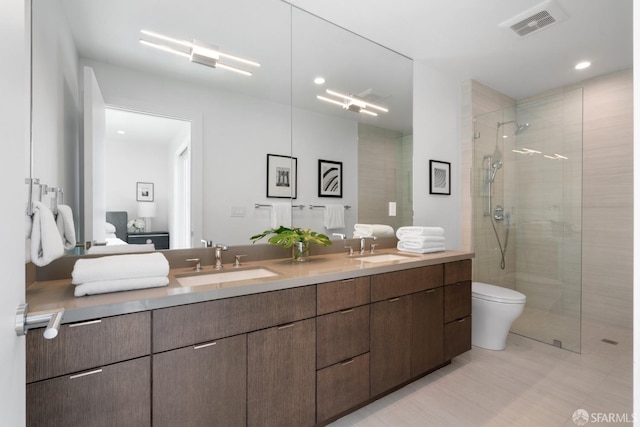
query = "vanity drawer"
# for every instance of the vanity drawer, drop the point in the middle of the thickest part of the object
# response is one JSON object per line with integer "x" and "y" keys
{"x": 457, "y": 337}
{"x": 114, "y": 395}
{"x": 405, "y": 282}
{"x": 342, "y": 335}
{"x": 85, "y": 345}
{"x": 342, "y": 386}
{"x": 190, "y": 324}
{"x": 343, "y": 294}
{"x": 457, "y": 271}
{"x": 457, "y": 301}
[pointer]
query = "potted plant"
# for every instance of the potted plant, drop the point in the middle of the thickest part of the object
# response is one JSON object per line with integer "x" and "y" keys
{"x": 297, "y": 238}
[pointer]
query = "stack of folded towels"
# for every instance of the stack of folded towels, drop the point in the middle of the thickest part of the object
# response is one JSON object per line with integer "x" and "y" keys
{"x": 372, "y": 230}
{"x": 421, "y": 240}
{"x": 119, "y": 273}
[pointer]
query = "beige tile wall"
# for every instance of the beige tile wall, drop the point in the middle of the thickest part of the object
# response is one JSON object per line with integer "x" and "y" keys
{"x": 606, "y": 195}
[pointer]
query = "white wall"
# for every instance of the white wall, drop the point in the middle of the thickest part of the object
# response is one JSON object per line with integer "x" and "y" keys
{"x": 14, "y": 116}
{"x": 236, "y": 135}
{"x": 436, "y": 136}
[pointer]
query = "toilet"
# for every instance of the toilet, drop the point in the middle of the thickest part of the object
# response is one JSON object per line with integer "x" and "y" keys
{"x": 493, "y": 311}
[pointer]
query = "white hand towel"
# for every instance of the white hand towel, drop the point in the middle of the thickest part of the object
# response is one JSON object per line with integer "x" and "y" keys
{"x": 117, "y": 267}
{"x": 333, "y": 217}
{"x": 414, "y": 231}
{"x": 434, "y": 247}
{"x": 372, "y": 230}
{"x": 422, "y": 239}
{"x": 65, "y": 227}
{"x": 280, "y": 215}
{"x": 46, "y": 244}
{"x": 101, "y": 287}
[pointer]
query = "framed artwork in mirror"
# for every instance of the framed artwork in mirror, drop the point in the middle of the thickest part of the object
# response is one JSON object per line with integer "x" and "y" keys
{"x": 439, "y": 177}
{"x": 329, "y": 178}
{"x": 144, "y": 191}
{"x": 282, "y": 176}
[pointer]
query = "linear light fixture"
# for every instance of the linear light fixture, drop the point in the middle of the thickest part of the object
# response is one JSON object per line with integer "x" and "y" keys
{"x": 352, "y": 103}
{"x": 196, "y": 50}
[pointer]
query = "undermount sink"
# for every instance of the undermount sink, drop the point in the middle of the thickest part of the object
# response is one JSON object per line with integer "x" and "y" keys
{"x": 383, "y": 258}
{"x": 197, "y": 279}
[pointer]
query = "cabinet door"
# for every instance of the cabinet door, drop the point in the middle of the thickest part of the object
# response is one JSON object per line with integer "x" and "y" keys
{"x": 282, "y": 375}
{"x": 113, "y": 395}
{"x": 390, "y": 343}
{"x": 202, "y": 385}
{"x": 457, "y": 337}
{"x": 427, "y": 331}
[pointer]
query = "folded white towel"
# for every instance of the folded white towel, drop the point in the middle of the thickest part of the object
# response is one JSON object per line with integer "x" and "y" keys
{"x": 333, "y": 217}
{"x": 65, "y": 227}
{"x": 280, "y": 215}
{"x": 46, "y": 244}
{"x": 372, "y": 230}
{"x": 437, "y": 247}
{"x": 422, "y": 239}
{"x": 414, "y": 231}
{"x": 117, "y": 267}
{"x": 118, "y": 246}
{"x": 105, "y": 286}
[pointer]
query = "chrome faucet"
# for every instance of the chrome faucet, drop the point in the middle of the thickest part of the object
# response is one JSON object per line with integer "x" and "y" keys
{"x": 363, "y": 244}
{"x": 219, "y": 248}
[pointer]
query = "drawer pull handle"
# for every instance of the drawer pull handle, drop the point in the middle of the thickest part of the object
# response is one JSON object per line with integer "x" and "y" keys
{"x": 394, "y": 299}
{"x": 347, "y": 311}
{"x": 84, "y": 374}
{"x": 430, "y": 291}
{"x": 209, "y": 344}
{"x": 348, "y": 362}
{"x": 90, "y": 322}
{"x": 348, "y": 280}
{"x": 462, "y": 320}
{"x": 286, "y": 326}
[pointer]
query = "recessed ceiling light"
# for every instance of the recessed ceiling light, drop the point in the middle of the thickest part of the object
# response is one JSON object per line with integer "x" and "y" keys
{"x": 319, "y": 80}
{"x": 120, "y": 132}
{"x": 582, "y": 65}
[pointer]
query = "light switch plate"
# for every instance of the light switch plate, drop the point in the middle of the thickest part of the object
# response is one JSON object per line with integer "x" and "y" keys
{"x": 237, "y": 211}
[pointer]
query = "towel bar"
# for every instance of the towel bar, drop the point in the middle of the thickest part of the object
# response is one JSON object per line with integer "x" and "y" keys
{"x": 260, "y": 205}
{"x": 24, "y": 322}
{"x": 323, "y": 206}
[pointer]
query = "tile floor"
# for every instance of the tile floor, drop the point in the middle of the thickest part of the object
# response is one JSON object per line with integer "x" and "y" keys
{"x": 528, "y": 384}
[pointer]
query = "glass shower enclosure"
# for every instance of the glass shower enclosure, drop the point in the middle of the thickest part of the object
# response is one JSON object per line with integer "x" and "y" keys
{"x": 527, "y": 219}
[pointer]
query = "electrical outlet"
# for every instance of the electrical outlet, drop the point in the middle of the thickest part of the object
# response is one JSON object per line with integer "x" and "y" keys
{"x": 237, "y": 211}
{"x": 392, "y": 208}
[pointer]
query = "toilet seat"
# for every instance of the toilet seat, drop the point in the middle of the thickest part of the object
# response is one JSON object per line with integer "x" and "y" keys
{"x": 494, "y": 293}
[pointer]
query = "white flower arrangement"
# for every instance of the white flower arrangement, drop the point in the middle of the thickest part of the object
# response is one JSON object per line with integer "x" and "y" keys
{"x": 136, "y": 225}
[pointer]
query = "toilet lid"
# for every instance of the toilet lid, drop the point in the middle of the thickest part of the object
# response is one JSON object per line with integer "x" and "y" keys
{"x": 496, "y": 293}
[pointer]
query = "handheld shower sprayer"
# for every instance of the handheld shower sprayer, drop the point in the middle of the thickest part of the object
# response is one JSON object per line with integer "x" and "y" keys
{"x": 495, "y": 166}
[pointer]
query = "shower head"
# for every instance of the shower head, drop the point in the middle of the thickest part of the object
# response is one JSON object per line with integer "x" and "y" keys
{"x": 495, "y": 166}
{"x": 521, "y": 127}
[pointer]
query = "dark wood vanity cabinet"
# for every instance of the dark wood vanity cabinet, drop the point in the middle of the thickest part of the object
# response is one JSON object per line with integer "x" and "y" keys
{"x": 281, "y": 376}
{"x": 427, "y": 331}
{"x": 201, "y": 385}
{"x": 457, "y": 308}
{"x": 95, "y": 373}
{"x": 342, "y": 346}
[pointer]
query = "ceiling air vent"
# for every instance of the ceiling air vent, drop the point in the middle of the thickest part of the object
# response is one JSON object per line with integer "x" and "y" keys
{"x": 535, "y": 19}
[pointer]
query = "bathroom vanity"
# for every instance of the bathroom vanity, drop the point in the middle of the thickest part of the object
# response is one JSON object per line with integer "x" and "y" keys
{"x": 302, "y": 348}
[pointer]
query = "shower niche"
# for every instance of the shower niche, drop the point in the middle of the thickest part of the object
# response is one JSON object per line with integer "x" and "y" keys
{"x": 527, "y": 211}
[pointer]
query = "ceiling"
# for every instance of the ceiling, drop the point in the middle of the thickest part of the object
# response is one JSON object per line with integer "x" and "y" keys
{"x": 463, "y": 39}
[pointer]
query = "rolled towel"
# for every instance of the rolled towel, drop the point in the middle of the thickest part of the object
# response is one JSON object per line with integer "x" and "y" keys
{"x": 372, "y": 230}
{"x": 46, "y": 244}
{"x": 434, "y": 247}
{"x": 333, "y": 217}
{"x": 66, "y": 227}
{"x": 280, "y": 215}
{"x": 118, "y": 267}
{"x": 415, "y": 231}
{"x": 105, "y": 286}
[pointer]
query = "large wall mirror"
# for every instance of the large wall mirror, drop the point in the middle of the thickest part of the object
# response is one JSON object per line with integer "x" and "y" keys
{"x": 112, "y": 115}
